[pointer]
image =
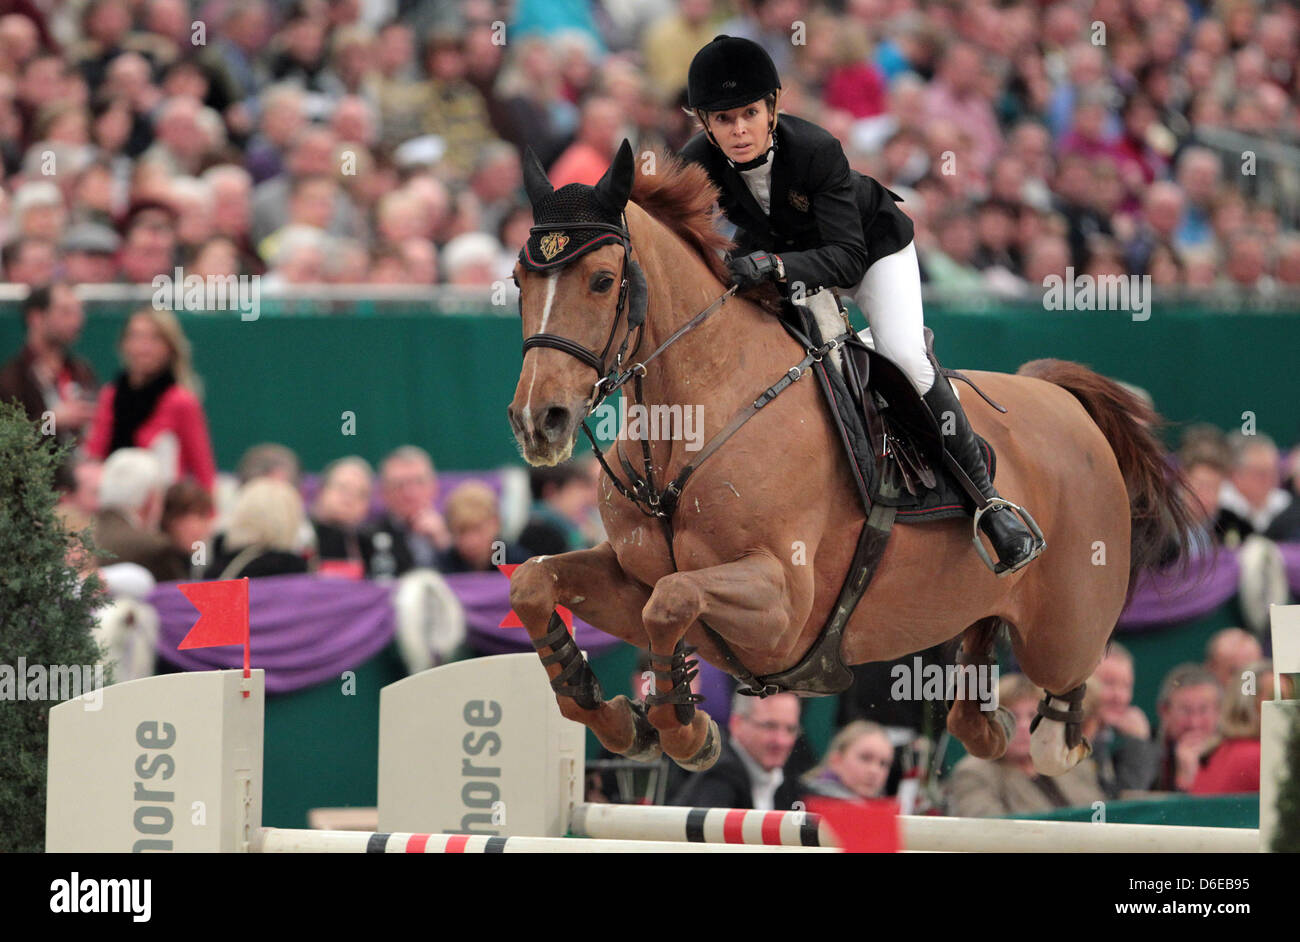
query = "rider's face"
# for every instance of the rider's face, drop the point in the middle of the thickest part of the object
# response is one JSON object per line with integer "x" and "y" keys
{"x": 741, "y": 132}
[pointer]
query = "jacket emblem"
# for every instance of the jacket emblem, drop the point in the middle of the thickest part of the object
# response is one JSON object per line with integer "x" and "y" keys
{"x": 799, "y": 201}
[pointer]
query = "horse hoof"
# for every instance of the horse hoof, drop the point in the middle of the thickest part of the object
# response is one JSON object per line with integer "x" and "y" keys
{"x": 645, "y": 738}
{"x": 708, "y": 753}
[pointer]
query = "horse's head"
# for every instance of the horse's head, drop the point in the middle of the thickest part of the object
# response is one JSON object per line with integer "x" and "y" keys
{"x": 581, "y": 299}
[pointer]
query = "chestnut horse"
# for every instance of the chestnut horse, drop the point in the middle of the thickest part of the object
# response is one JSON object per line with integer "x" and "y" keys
{"x": 766, "y": 528}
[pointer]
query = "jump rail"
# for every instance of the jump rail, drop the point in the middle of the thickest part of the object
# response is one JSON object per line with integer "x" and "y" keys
{"x": 278, "y": 841}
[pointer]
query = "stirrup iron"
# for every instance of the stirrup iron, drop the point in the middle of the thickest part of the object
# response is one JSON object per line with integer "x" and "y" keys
{"x": 1001, "y": 569}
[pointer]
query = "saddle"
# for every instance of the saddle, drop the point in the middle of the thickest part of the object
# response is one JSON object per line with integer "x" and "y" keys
{"x": 891, "y": 439}
{"x": 893, "y": 446}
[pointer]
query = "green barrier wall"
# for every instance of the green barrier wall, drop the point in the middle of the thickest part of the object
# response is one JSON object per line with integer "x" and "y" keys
{"x": 443, "y": 381}
{"x": 1218, "y": 811}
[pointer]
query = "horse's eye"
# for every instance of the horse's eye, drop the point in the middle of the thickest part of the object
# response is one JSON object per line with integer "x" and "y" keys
{"x": 601, "y": 282}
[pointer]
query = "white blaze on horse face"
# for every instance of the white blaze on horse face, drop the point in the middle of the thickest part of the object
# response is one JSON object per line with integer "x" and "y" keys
{"x": 551, "y": 280}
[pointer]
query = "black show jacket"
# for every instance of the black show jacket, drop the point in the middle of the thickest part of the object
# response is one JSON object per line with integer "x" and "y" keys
{"x": 828, "y": 223}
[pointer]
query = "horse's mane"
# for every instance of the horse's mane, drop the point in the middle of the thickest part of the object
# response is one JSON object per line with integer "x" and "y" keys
{"x": 683, "y": 198}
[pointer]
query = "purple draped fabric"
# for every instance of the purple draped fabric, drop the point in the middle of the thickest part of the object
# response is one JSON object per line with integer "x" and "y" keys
{"x": 485, "y": 596}
{"x": 309, "y": 629}
{"x": 305, "y": 629}
{"x": 1161, "y": 598}
{"x": 1291, "y": 557}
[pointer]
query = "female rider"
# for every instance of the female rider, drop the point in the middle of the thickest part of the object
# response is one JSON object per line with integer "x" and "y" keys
{"x": 803, "y": 216}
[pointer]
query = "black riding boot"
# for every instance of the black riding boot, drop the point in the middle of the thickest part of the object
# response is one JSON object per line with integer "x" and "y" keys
{"x": 1014, "y": 543}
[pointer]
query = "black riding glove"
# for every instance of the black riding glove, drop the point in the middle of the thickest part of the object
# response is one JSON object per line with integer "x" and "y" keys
{"x": 755, "y": 268}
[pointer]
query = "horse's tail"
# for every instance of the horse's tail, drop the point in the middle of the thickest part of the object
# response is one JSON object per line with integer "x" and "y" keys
{"x": 1160, "y": 501}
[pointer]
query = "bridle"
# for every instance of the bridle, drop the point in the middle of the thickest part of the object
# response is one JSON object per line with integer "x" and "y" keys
{"x": 633, "y": 288}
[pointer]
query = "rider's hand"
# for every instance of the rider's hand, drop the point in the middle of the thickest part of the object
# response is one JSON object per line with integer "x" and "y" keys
{"x": 754, "y": 268}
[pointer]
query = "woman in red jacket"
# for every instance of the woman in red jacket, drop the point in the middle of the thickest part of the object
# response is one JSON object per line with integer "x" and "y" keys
{"x": 154, "y": 402}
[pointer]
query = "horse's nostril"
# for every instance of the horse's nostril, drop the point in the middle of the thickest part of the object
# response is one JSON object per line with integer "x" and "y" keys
{"x": 555, "y": 421}
{"x": 513, "y": 418}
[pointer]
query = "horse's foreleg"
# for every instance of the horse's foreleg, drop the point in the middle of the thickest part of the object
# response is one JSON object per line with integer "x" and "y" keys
{"x": 746, "y": 598}
{"x": 593, "y": 585}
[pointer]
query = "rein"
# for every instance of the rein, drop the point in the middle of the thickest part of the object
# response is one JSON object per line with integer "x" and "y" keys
{"x": 643, "y": 492}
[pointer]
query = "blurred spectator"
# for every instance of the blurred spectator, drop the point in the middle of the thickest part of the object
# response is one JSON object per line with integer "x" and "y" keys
{"x": 90, "y": 254}
{"x": 753, "y": 770}
{"x": 856, "y": 766}
{"x": 456, "y": 113}
{"x": 564, "y": 500}
{"x": 154, "y": 402}
{"x": 1228, "y": 653}
{"x": 187, "y": 521}
{"x": 982, "y": 788}
{"x": 338, "y": 514}
{"x": 950, "y": 265}
{"x": 1188, "y": 707}
{"x": 1198, "y": 172}
{"x": 497, "y": 181}
{"x": 769, "y": 24}
{"x": 472, "y": 259}
{"x": 131, "y": 491}
{"x": 530, "y": 91}
{"x": 1229, "y": 763}
{"x": 1206, "y": 466}
{"x": 38, "y": 211}
{"x": 415, "y": 532}
{"x": 46, "y": 376}
{"x": 148, "y": 242}
{"x": 30, "y": 261}
{"x": 958, "y": 95}
{"x": 269, "y": 460}
{"x": 261, "y": 538}
{"x": 672, "y": 42}
{"x": 1122, "y": 747}
{"x": 83, "y": 498}
{"x": 1162, "y": 208}
{"x": 312, "y": 153}
{"x": 588, "y": 157}
{"x": 1252, "y": 499}
{"x": 475, "y": 526}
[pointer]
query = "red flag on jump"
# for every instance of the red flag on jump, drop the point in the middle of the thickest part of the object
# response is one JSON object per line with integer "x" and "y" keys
{"x": 512, "y": 620}
{"x": 862, "y": 827}
{"x": 223, "y": 615}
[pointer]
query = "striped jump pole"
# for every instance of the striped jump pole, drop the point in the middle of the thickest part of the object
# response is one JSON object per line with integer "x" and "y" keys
{"x": 286, "y": 841}
{"x": 919, "y": 833}
{"x": 700, "y": 825}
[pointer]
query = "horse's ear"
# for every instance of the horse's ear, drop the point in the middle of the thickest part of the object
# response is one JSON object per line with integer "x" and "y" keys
{"x": 615, "y": 186}
{"x": 536, "y": 184}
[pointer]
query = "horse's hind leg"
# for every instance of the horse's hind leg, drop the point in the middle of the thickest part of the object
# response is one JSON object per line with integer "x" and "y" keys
{"x": 593, "y": 585}
{"x": 744, "y": 601}
{"x": 973, "y": 719}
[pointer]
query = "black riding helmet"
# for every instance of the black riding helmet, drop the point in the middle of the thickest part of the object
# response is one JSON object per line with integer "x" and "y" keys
{"x": 730, "y": 72}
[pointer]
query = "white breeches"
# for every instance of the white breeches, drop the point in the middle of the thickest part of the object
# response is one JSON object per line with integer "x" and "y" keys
{"x": 890, "y": 297}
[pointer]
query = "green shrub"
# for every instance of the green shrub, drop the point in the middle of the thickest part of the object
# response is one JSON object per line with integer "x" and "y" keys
{"x": 46, "y": 617}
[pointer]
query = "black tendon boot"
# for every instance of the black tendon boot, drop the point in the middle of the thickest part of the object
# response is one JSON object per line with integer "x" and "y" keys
{"x": 1012, "y": 540}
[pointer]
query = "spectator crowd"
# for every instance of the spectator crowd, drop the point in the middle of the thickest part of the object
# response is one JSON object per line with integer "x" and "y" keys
{"x": 379, "y": 141}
